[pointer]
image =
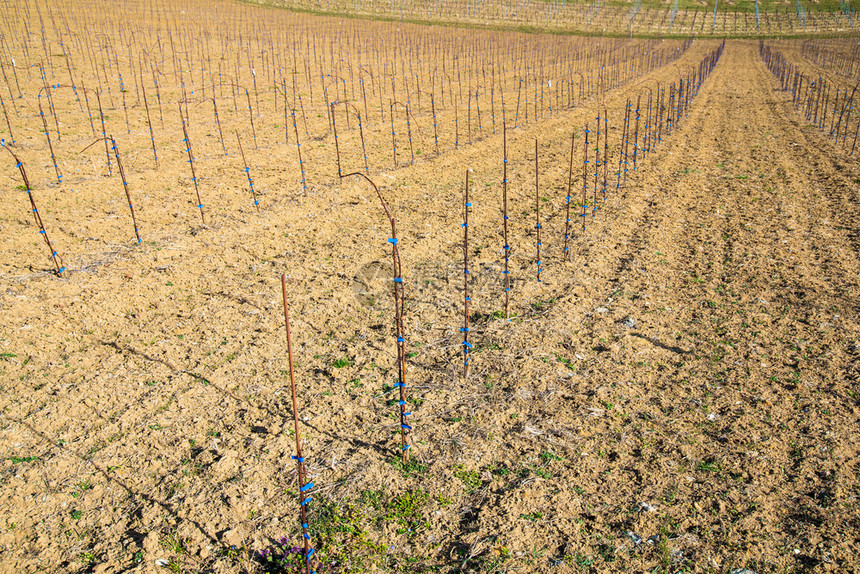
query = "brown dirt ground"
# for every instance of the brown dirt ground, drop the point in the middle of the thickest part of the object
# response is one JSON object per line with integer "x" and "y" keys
{"x": 146, "y": 408}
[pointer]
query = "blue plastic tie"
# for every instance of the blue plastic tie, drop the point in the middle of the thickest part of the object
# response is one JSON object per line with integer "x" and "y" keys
{"x": 464, "y": 329}
{"x": 304, "y": 524}
{"x": 401, "y": 402}
{"x": 41, "y": 231}
{"x": 468, "y": 205}
{"x": 311, "y": 551}
{"x": 306, "y": 501}
{"x": 401, "y": 340}
{"x": 398, "y": 279}
{"x": 393, "y": 241}
{"x": 467, "y": 344}
{"x": 305, "y": 534}
{"x": 406, "y": 414}
{"x": 306, "y": 487}
{"x": 298, "y": 458}
{"x": 405, "y": 426}
{"x": 200, "y": 206}
{"x": 407, "y": 447}
{"x": 61, "y": 269}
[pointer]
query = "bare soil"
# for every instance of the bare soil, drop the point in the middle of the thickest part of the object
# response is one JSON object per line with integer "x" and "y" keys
{"x": 679, "y": 396}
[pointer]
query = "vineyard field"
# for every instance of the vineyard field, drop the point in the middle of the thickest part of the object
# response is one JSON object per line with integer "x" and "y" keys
{"x": 673, "y": 387}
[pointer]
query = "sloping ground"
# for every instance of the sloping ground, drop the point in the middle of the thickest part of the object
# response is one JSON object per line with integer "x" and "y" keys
{"x": 658, "y": 19}
{"x": 681, "y": 394}
{"x": 729, "y": 405}
{"x": 793, "y": 52}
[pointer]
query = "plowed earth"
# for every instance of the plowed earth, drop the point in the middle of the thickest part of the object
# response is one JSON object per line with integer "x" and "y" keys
{"x": 680, "y": 396}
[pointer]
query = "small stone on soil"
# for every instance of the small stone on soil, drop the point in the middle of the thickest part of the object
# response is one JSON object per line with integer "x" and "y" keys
{"x": 632, "y": 536}
{"x": 645, "y": 507}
